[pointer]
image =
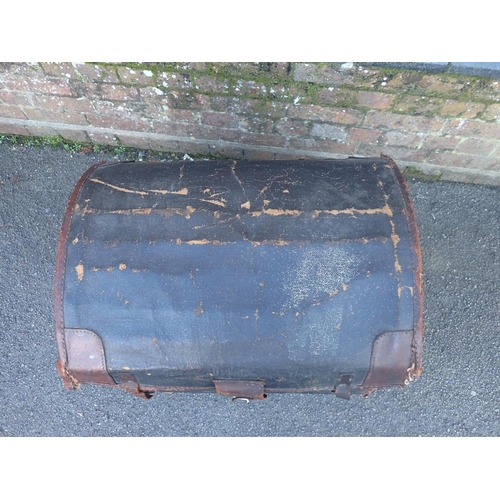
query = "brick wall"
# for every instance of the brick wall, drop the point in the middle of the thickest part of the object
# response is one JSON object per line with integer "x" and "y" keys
{"x": 438, "y": 122}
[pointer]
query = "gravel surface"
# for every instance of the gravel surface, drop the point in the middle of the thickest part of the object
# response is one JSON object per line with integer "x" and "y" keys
{"x": 457, "y": 395}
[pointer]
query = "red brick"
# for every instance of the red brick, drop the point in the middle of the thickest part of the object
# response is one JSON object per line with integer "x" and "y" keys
{"x": 166, "y": 145}
{"x": 60, "y": 70}
{"x": 249, "y": 107}
{"x": 406, "y": 139}
{"x": 395, "y": 152}
{"x": 476, "y": 147}
{"x": 7, "y": 111}
{"x": 320, "y": 145}
{"x": 292, "y": 127}
{"x": 310, "y": 72}
{"x": 256, "y": 124}
{"x": 229, "y": 152}
{"x": 328, "y": 131}
{"x": 13, "y": 128}
{"x": 267, "y": 109}
{"x": 42, "y": 130}
{"x": 189, "y": 130}
{"x": 16, "y": 98}
{"x": 49, "y": 103}
{"x": 131, "y": 110}
{"x": 133, "y": 141}
{"x": 39, "y": 84}
{"x": 119, "y": 92}
{"x": 335, "y": 96}
{"x": 153, "y": 95}
{"x": 106, "y": 138}
{"x": 292, "y": 156}
{"x": 472, "y": 128}
{"x": 463, "y": 160}
{"x": 77, "y": 105}
{"x": 257, "y": 154}
{"x": 418, "y": 105}
{"x": 281, "y": 69}
{"x": 84, "y": 89}
{"x": 266, "y": 69}
{"x": 54, "y": 116}
{"x": 319, "y": 113}
{"x": 73, "y": 135}
{"x": 465, "y": 109}
{"x": 174, "y": 80}
{"x": 375, "y": 100}
{"x": 188, "y": 100}
{"x": 249, "y": 88}
{"x": 136, "y": 76}
{"x": 197, "y": 148}
{"x": 492, "y": 112}
{"x": 96, "y": 73}
{"x": 250, "y": 138}
{"x": 403, "y": 122}
{"x": 62, "y": 104}
{"x": 399, "y": 81}
{"x": 216, "y": 119}
{"x": 227, "y": 104}
{"x": 25, "y": 69}
{"x": 440, "y": 142}
{"x": 189, "y": 66}
{"x": 116, "y": 122}
{"x": 182, "y": 115}
{"x": 363, "y": 135}
{"x": 480, "y": 90}
{"x": 334, "y": 147}
{"x": 55, "y": 86}
{"x": 441, "y": 84}
{"x": 207, "y": 83}
{"x": 282, "y": 91}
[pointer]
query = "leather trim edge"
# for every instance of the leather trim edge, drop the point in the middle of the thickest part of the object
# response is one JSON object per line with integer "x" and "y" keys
{"x": 418, "y": 296}
{"x": 62, "y": 361}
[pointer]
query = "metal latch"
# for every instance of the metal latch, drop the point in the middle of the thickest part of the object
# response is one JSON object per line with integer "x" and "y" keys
{"x": 128, "y": 382}
{"x": 240, "y": 389}
{"x": 343, "y": 387}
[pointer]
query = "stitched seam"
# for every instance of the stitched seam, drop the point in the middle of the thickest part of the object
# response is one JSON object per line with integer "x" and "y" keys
{"x": 101, "y": 350}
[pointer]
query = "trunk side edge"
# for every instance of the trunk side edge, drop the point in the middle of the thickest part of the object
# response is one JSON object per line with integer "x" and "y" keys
{"x": 69, "y": 381}
{"x": 418, "y": 298}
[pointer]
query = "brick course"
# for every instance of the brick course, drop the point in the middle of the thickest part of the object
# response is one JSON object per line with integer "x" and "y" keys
{"x": 464, "y": 109}
{"x": 7, "y": 111}
{"x": 260, "y": 110}
{"x": 375, "y": 100}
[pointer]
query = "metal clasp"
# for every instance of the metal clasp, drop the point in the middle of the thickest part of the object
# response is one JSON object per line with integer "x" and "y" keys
{"x": 343, "y": 387}
{"x": 241, "y": 389}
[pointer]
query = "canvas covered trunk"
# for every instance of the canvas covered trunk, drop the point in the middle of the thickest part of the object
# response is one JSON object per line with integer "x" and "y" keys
{"x": 241, "y": 277}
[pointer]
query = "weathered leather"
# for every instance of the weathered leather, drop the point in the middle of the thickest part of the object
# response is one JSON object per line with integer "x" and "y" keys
{"x": 285, "y": 272}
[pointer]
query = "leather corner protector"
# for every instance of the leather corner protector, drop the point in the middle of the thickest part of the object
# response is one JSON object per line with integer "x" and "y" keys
{"x": 86, "y": 362}
{"x": 392, "y": 360}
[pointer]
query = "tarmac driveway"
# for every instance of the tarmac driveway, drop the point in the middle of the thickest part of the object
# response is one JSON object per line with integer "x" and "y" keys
{"x": 457, "y": 395}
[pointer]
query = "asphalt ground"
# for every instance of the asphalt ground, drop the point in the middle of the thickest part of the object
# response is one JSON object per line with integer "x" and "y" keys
{"x": 458, "y": 393}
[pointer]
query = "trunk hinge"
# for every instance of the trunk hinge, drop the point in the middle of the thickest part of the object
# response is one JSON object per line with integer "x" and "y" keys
{"x": 128, "y": 382}
{"x": 343, "y": 387}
